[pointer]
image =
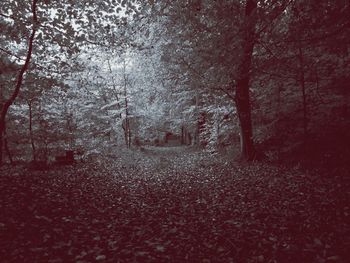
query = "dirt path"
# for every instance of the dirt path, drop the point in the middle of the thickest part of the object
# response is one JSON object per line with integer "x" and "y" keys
{"x": 176, "y": 159}
{"x": 172, "y": 205}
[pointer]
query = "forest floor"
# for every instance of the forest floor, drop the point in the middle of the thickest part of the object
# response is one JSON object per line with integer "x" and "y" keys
{"x": 173, "y": 205}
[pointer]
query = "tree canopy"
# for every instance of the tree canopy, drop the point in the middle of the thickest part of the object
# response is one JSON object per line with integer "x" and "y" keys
{"x": 263, "y": 76}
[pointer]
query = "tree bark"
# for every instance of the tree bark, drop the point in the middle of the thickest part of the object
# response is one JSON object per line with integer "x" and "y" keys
{"x": 31, "y": 136}
{"x": 1, "y": 155}
{"x": 303, "y": 91}
{"x": 196, "y": 131}
{"x": 242, "y": 97}
{"x": 182, "y": 135}
{"x": 7, "y": 149}
{"x": 118, "y": 106}
{"x": 19, "y": 81}
{"x": 1, "y": 133}
{"x": 127, "y": 132}
{"x": 4, "y": 144}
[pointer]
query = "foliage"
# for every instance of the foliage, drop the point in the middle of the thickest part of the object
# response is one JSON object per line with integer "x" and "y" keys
{"x": 119, "y": 81}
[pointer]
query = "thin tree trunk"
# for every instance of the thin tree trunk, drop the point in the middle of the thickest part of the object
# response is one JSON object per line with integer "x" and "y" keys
{"x": 1, "y": 148}
{"x": 244, "y": 115}
{"x": 30, "y": 104}
{"x": 19, "y": 81}
{"x": 46, "y": 151}
{"x": 118, "y": 106}
{"x": 182, "y": 135}
{"x": 129, "y": 133}
{"x": 1, "y": 136}
{"x": 196, "y": 132}
{"x": 278, "y": 117}
{"x": 217, "y": 131}
{"x": 242, "y": 98}
{"x": 7, "y": 149}
{"x": 127, "y": 124}
{"x": 303, "y": 91}
{"x": 4, "y": 146}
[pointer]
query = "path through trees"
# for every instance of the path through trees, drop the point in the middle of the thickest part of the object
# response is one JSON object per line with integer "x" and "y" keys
{"x": 172, "y": 206}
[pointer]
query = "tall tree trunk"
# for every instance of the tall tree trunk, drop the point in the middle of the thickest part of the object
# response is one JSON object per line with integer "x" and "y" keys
{"x": 1, "y": 134}
{"x": 31, "y": 136}
{"x": 7, "y": 149}
{"x": 242, "y": 98}
{"x": 1, "y": 148}
{"x": 2, "y": 141}
{"x": 196, "y": 131}
{"x": 182, "y": 135}
{"x": 19, "y": 81}
{"x": 114, "y": 85}
{"x": 4, "y": 146}
{"x": 278, "y": 117}
{"x": 303, "y": 91}
{"x": 127, "y": 133}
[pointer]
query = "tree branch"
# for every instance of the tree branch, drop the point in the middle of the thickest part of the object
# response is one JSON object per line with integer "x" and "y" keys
{"x": 24, "y": 68}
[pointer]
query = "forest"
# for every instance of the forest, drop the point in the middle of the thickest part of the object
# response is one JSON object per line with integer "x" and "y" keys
{"x": 175, "y": 131}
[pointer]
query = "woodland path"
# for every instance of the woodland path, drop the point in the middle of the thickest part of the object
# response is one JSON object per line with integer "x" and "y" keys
{"x": 172, "y": 205}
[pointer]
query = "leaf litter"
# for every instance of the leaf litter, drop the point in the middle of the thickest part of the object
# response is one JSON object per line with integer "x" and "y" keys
{"x": 173, "y": 205}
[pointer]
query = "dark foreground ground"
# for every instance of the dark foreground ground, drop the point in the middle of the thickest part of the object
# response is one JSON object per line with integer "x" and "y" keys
{"x": 173, "y": 205}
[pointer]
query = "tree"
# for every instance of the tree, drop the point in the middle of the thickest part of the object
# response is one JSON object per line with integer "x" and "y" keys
{"x": 5, "y": 107}
{"x": 299, "y": 60}
{"x": 53, "y": 32}
{"x": 242, "y": 97}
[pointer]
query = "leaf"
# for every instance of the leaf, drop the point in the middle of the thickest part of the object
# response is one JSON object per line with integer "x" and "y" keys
{"x": 160, "y": 248}
{"x": 100, "y": 257}
{"x": 333, "y": 258}
{"x": 317, "y": 242}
